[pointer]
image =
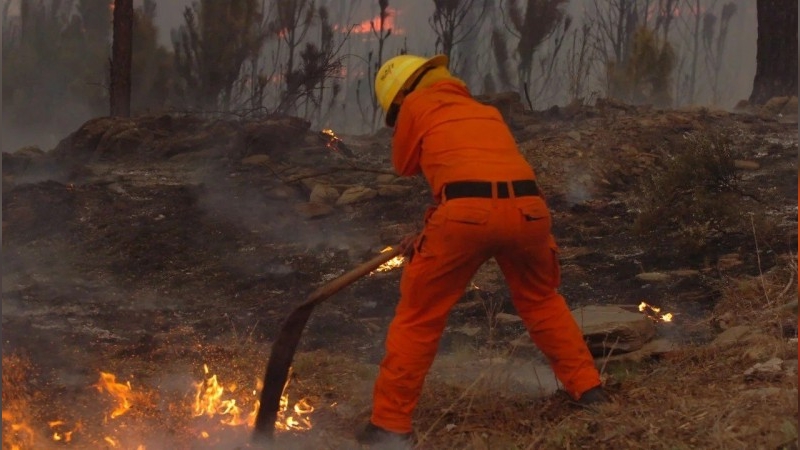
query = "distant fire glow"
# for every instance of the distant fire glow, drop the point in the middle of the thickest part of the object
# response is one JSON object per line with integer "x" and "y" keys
{"x": 655, "y": 313}
{"x": 389, "y": 22}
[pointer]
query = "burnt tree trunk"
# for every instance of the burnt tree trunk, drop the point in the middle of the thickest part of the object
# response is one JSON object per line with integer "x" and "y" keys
{"x": 776, "y": 57}
{"x": 121, "y": 50}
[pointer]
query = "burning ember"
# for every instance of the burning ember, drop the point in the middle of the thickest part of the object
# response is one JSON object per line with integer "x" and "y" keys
{"x": 333, "y": 140}
{"x": 654, "y": 313}
{"x": 209, "y": 401}
{"x": 59, "y": 434}
{"x": 334, "y": 143}
{"x": 391, "y": 264}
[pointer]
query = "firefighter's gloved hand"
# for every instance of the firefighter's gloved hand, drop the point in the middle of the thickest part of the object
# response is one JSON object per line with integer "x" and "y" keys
{"x": 407, "y": 246}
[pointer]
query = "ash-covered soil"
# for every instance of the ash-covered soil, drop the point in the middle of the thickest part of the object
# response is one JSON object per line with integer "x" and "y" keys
{"x": 136, "y": 243}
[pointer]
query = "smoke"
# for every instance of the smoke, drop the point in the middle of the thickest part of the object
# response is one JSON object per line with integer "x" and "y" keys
{"x": 472, "y": 59}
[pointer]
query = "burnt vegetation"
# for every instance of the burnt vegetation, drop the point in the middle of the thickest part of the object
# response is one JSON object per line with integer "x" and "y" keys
{"x": 317, "y": 61}
{"x": 150, "y": 245}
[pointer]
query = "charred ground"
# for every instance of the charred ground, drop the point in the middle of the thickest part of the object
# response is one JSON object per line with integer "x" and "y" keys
{"x": 149, "y": 245}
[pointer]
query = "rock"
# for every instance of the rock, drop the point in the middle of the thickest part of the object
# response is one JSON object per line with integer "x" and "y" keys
{"x": 761, "y": 394}
{"x": 313, "y": 210}
{"x": 385, "y": 178}
{"x": 575, "y": 135}
{"x": 503, "y": 377}
{"x": 322, "y": 193}
{"x": 656, "y": 347}
{"x": 507, "y": 318}
{"x": 728, "y": 260}
{"x": 655, "y": 277}
{"x": 746, "y": 165}
{"x": 394, "y": 190}
{"x": 523, "y": 341}
{"x": 771, "y": 369}
{"x": 684, "y": 273}
{"x": 776, "y": 105}
{"x": 395, "y": 232}
{"x": 733, "y": 335}
{"x": 468, "y": 330}
{"x": 281, "y": 192}
{"x": 613, "y": 329}
{"x": 356, "y": 194}
{"x": 256, "y": 160}
{"x": 790, "y": 108}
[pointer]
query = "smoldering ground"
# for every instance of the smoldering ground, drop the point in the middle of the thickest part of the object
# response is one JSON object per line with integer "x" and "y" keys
{"x": 148, "y": 247}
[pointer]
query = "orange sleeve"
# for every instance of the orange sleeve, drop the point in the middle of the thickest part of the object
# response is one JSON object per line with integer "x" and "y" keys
{"x": 406, "y": 146}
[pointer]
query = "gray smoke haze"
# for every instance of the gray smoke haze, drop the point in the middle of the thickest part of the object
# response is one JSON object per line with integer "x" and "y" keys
{"x": 722, "y": 78}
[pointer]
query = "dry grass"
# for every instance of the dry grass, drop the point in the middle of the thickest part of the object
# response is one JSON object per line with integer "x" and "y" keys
{"x": 694, "y": 398}
{"x": 697, "y": 398}
{"x": 768, "y": 300}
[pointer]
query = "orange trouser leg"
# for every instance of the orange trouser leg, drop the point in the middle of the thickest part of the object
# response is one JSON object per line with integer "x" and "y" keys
{"x": 531, "y": 270}
{"x": 431, "y": 284}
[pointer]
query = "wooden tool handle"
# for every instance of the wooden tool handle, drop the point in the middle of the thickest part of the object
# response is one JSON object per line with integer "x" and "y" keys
{"x": 285, "y": 344}
{"x": 348, "y": 278}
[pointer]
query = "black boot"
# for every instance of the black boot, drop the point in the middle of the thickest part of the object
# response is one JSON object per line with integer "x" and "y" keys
{"x": 377, "y": 436}
{"x": 594, "y": 397}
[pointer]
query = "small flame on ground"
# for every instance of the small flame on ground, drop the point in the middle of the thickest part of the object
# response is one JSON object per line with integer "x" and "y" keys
{"x": 59, "y": 435}
{"x": 122, "y": 393}
{"x": 392, "y": 264}
{"x": 209, "y": 402}
{"x": 333, "y": 140}
{"x": 654, "y": 312}
{"x": 22, "y": 432}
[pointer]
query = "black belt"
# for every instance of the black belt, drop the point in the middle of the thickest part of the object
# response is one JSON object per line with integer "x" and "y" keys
{"x": 461, "y": 189}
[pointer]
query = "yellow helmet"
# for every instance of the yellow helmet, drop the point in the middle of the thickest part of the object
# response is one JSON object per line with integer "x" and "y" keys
{"x": 398, "y": 74}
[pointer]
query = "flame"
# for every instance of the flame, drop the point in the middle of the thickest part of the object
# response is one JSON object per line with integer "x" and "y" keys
{"x": 654, "y": 312}
{"x": 391, "y": 264}
{"x": 22, "y": 433}
{"x": 389, "y": 22}
{"x": 210, "y": 401}
{"x": 333, "y": 140}
{"x": 122, "y": 393}
{"x": 59, "y": 435}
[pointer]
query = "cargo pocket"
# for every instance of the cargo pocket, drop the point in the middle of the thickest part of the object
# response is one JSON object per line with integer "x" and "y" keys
{"x": 468, "y": 215}
{"x": 555, "y": 266}
{"x": 534, "y": 212}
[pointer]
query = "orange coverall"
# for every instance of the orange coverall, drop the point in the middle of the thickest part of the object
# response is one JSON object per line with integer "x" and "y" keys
{"x": 442, "y": 131}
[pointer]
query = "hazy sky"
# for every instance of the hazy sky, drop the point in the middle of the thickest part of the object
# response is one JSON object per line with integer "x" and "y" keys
{"x": 412, "y": 17}
{"x": 412, "y": 30}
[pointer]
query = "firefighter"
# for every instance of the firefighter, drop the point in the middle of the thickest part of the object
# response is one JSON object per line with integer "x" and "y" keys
{"x": 488, "y": 205}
